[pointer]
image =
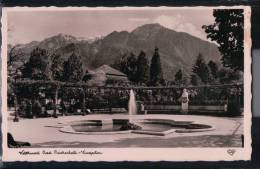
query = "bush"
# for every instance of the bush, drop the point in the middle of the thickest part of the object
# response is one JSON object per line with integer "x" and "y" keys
{"x": 50, "y": 106}
{"x": 233, "y": 107}
{"x": 28, "y": 109}
{"x": 36, "y": 108}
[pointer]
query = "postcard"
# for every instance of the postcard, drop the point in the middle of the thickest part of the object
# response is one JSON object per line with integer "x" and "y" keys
{"x": 126, "y": 83}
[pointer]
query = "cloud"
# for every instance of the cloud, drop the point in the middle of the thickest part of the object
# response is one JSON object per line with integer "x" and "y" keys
{"x": 179, "y": 24}
{"x": 138, "y": 19}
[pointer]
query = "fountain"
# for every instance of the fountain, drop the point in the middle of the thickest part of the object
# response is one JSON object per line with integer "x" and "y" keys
{"x": 131, "y": 111}
{"x": 131, "y": 105}
{"x": 149, "y": 126}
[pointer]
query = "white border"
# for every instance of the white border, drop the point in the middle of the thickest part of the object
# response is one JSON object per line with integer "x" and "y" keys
{"x": 135, "y": 154}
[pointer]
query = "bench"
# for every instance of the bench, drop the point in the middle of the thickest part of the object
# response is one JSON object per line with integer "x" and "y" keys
{"x": 208, "y": 108}
{"x": 176, "y": 109}
{"x": 110, "y": 110}
{"x": 160, "y": 109}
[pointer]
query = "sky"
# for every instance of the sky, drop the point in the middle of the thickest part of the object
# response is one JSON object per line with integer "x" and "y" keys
{"x": 27, "y": 26}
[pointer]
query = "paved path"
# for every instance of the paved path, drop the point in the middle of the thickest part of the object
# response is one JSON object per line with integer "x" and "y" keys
{"x": 36, "y": 132}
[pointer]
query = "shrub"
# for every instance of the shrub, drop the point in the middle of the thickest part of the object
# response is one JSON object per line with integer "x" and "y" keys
{"x": 36, "y": 108}
{"x": 233, "y": 107}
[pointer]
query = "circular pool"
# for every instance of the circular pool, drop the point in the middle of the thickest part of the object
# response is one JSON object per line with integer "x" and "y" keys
{"x": 145, "y": 126}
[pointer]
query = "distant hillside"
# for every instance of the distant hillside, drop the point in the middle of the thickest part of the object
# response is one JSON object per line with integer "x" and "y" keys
{"x": 178, "y": 50}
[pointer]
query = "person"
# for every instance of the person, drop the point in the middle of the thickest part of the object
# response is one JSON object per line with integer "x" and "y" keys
{"x": 184, "y": 101}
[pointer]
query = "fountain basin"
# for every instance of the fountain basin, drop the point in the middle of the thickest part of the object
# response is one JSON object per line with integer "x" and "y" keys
{"x": 160, "y": 127}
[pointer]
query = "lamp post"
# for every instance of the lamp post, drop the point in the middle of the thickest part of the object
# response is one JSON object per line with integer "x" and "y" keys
{"x": 16, "y": 75}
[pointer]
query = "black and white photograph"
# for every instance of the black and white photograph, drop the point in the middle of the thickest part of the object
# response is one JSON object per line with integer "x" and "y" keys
{"x": 126, "y": 83}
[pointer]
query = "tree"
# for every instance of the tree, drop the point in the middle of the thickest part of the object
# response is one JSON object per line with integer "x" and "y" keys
{"x": 14, "y": 54}
{"x": 226, "y": 76}
{"x": 228, "y": 32}
{"x": 142, "y": 73}
{"x": 87, "y": 76}
{"x": 57, "y": 67}
{"x": 213, "y": 69}
{"x": 73, "y": 70}
{"x": 178, "y": 77}
{"x": 131, "y": 68}
{"x": 121, "y": 64}
{"x": 156, "y": 74}
{"x": 195, "y": 80}
{"x": 128, "y": 65}
{"x": 201, "y": 69}
{"x": 38, "y": 66}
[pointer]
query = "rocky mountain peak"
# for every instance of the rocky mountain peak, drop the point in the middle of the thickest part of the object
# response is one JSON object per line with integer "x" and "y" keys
{"x": 177, "y": 49}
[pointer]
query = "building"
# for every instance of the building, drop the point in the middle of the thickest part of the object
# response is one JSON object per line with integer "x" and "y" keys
{"x": 106, "y": 75}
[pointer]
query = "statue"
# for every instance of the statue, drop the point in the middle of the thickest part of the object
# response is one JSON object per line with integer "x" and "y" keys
{"x": 184, "y": 101}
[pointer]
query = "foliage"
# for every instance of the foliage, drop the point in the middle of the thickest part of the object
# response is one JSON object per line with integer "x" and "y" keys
{"x": 131, "y": 68}
{"x": 128, "y": 64}
{"x": 57, "y": 67}
{"x": 227, "y": 76}
{"x": 156, "y": 74}
{"x": 87, "y": 76}
{"x": 28, "y": 108}
{"x": 201, "y": 69}
{"x": 179, "y": 77}
{"x": 228, "y": 32}
{"x": 142, "y": 73}
{"x": 213, "y": 69}
{"x": 37, "y": 67}
{"x": 14, "y": 55}
{"x": 73, "y": 70}
{"x": 233, "y": 106}
{"x": 36, "y": 108}
{"x": 195, "y": 80}
{"x": 121, "y": 64}
{"x": 68, "y": 93}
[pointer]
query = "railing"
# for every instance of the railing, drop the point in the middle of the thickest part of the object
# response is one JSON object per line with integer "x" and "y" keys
{"x": 80, "y": 95}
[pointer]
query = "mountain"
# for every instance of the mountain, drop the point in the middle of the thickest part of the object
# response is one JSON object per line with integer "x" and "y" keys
{"x": 178, "y": 50}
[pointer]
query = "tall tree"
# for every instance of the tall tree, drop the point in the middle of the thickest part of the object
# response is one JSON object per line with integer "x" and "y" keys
{"x": 178, "y": 77}
{"x": 228, "y": 32}
{"x": 121, "y": 64}
{"x": 142, "y": 68}
{"x": 73, "y": 70}
{"x": 226, "y": 76}
{"x": 195, "y": 80}
{"x": 131, "y": 68}
{"x": 156, "y": 74}
{"x": 213, "y": 69}
{"x": 201, "y": 69}
{"x": 14, "y": 54}
{"x": 128, "y": 65}
{"x": 57, "y": 67}
{"x": 38, "y": 66}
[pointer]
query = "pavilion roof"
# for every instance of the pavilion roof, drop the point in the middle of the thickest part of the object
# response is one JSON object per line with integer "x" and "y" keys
{"x": 108, "y": 70}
